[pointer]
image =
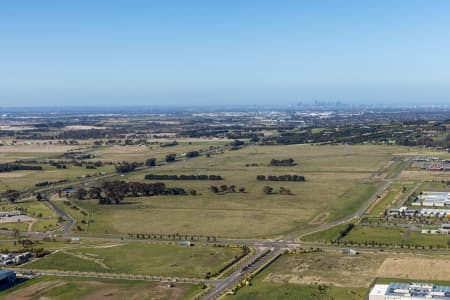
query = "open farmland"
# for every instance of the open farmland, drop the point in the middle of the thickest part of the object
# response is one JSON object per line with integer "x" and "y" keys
{"x": 27, "y": 179}
{"x": 53, "y": 288}
{"x": 141, "y": 153}
{"x": 338, "y": 180}
{"x": 140, "y": 258}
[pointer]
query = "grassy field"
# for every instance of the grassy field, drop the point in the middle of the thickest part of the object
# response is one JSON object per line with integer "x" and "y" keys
{"x": 140, "y": 258}
{"x": 277, "y": 291}
{"x": 392, "y": 235}
{"x": 141, "y": 153}
{"x": 325, "y": 235}
{"x": 338, "y": 180}
{"x": 68, "y": 288}
{"x": 361, "y": 234}
{"x": 20, "y": 180}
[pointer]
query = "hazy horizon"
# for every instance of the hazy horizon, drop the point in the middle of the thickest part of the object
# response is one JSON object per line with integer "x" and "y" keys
{"x": 179, "y": 53}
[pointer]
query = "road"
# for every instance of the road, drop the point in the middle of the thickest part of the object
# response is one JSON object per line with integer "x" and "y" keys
{"x": 69, "y": 220}
{"x": 362, "y": 208}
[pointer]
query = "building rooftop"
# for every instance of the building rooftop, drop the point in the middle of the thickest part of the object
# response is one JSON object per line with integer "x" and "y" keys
{"x": 379, "y": 290}
{"x": 418, "y": 290}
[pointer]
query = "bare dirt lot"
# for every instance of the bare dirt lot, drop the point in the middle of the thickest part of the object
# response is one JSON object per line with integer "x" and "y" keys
{"x": 415, "y": 267}
{"x": 355, "y": 270}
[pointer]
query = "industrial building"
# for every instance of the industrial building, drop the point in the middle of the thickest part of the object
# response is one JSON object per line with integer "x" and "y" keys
{"x": 444, "y": 229}
{"x": 7, "y": 214}
{"x": 409, "y": 291}
{"x": 436, "y": 199}
{"x": 7, "y": 276}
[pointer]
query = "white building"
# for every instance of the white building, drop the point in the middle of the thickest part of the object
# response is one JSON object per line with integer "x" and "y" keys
{"x": 409, "y": 291}
{"x": 4, "y": 214}
{"x": 436, "y": 199}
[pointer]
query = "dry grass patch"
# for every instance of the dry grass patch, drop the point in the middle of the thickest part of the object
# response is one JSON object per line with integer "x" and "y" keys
{"x": 415, "y": 267}
{"x": 325, "y": 268}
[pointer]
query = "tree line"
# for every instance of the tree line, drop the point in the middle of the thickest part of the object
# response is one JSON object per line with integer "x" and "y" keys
{"x": 182, "y": 177}
{"x": 8, "y": 167}
{"x": 126, "y": 167}
{"x": 297, "y": 178}
{"x": 114, "y": 192}
{"x": 226, "y": 189}
{"x": 282, "y": 162}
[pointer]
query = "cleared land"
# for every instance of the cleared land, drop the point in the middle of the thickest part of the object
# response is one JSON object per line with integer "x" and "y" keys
{"x": 140, "y": 258}
{"x": 338, "y": 180}
{"x": 325, "y": 275}
{"x": 52, "y": 288}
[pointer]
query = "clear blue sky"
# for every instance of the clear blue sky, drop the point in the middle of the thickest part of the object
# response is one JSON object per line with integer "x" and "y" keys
{"x": 92, "y": 52}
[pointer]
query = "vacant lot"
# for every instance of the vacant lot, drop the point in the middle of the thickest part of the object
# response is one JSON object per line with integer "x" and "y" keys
{"x": 325, "y": 268}
{"x": 51, "y": 288}
{"x": 277, "y": 291}
{"x": 338, "y": 180}
{"x": 336, "y": 269}
{"x": 416, "y": 268}
{"x": 140, "y": 258}
{"x": 341, "y": 277}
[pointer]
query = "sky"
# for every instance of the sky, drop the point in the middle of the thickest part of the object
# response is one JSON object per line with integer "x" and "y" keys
{"x": 232, "y": 52}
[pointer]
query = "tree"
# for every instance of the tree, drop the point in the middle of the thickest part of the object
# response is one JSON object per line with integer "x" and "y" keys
{"x": 268, "y": 190}
{"x": 39, "y": 197}
{"x": 151, "y": 162}
{"x": 12, "y": 195}
{"x": 170, "y": 157}
{"x": 81, "y": 193}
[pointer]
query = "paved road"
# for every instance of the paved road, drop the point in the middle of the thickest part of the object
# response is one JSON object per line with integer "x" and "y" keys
{"x": 69, "y": 220}
{"x": 261, "y": 258}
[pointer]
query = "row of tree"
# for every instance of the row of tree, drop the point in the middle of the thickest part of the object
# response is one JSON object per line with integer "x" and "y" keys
{"x": 126, "y": 167}
{"x": 8, "y": 167}
{"x": 288, "y": 177}
{"x": 268, "y": 190}
{"x": 282, "y": 162}
{"x": 182, "y": 177}
{"x": 226, "y": 189}
{"x": 113, "y": 192}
